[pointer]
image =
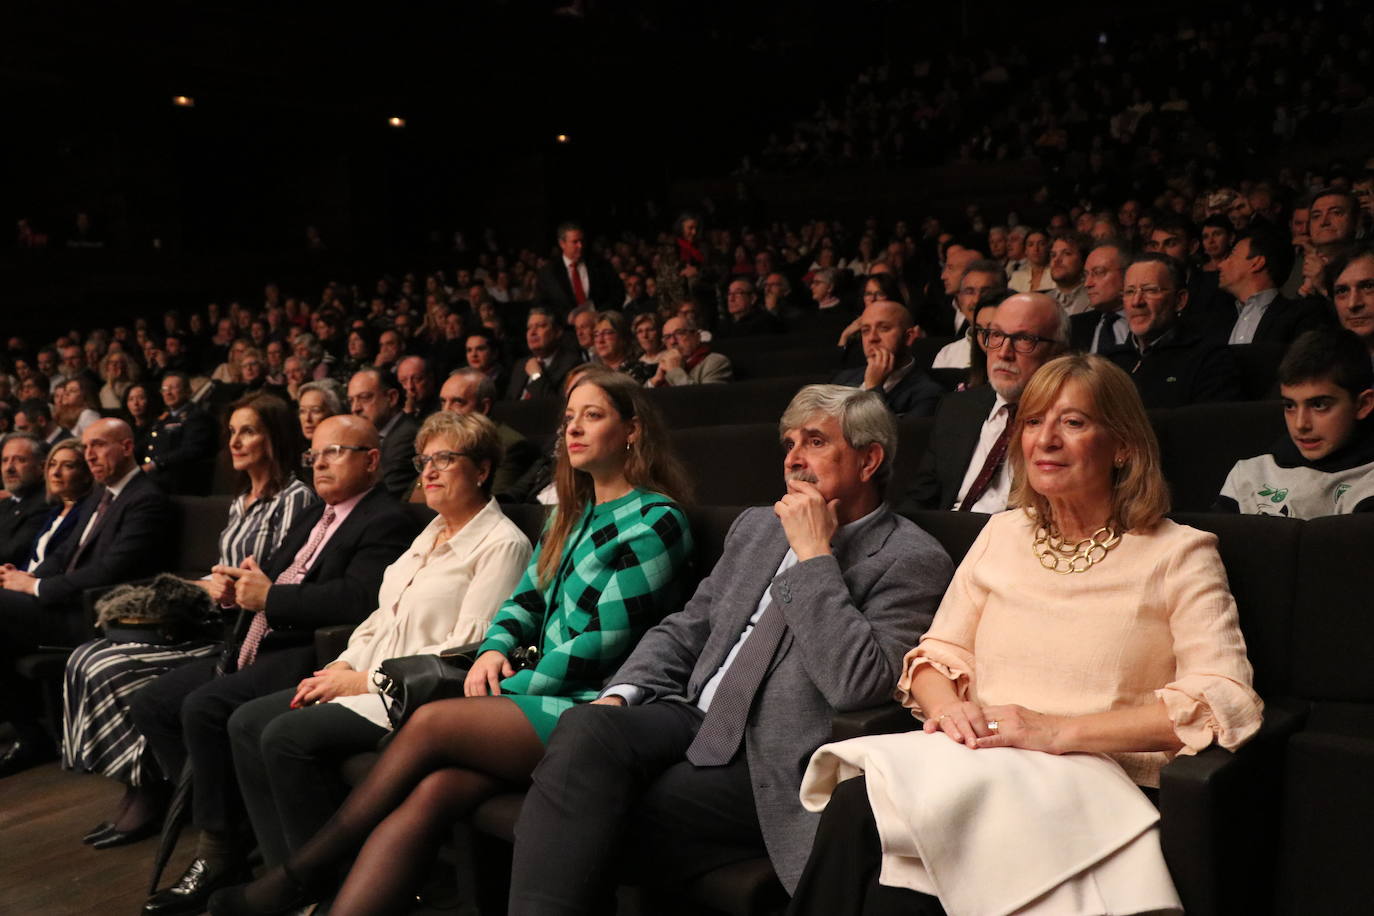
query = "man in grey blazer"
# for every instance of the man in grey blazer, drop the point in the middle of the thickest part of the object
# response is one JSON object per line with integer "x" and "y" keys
{"x": 694, "y": 756}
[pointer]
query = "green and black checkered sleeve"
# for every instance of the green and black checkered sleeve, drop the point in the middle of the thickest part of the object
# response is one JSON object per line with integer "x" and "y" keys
{"x": 518, "y": 621}
{"x": 628, "y": 576}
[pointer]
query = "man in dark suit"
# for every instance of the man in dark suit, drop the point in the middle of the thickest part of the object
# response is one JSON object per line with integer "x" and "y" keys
{"x": 326, "y": 571}
{"x": 375, "y": 396}
{"x": 116, "y": 538}
{"x": 965, "y": 466}
{"x": 1103, "y": 327}
{"x": 182, "y": 442}
{"x": 1253, "y": 311}
{"x": 887, "y": 332}
{"x": 744, "y": 316}
{"x": 571, "y": 279}
{"x": 470, "y": 391}
{"x": 541, "y": 376}
{"x": 23, "y": 511}
{"x": 808, "y": 612}
{"x": 35, "y": 416}
{"x": 1170, "y": 364}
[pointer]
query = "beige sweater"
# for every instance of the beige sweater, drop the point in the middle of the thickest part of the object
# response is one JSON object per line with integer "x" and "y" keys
{"x": 1154, "y": 620}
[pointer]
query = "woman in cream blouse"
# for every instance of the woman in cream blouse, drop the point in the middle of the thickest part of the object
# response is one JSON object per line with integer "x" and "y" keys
{"x": 439, "y": 594}
{"x": 1083, "y": 626}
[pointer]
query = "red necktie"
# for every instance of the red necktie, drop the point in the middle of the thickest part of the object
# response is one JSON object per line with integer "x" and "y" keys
{"x": 579, "y": 293}
{"x": 293, "y": 574}
{"x": 991, "y": 465}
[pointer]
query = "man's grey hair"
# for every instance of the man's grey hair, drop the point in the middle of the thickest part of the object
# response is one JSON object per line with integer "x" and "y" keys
{"x": 568, "y": 226}
{"x": 1019, "y": 230}
{"x": 826, "y": 275}
{"x": 688, "y": 323}
{"x": 986, "y": 266}
{"x": 486, "y": 388}
{"x": 329, "y": 390}
{"x": 863, "y": 417}
{"x": 39, "y": 446}
{"x": 312, "y": 346}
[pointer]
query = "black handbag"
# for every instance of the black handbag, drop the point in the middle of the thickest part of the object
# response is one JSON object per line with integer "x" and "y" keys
{"x": 411, "y": 681}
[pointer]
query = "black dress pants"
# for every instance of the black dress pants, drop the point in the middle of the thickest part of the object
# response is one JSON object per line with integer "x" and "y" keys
{"x": 24, "y": 626}
{"x": 185, "y": 713}
{"x": 841, "y": 875}
{"x": 614, "y": 796}
{"x": 287, "y": 761}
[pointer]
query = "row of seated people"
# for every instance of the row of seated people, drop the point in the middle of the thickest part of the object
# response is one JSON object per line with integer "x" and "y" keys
{"x": 808, "y": 612}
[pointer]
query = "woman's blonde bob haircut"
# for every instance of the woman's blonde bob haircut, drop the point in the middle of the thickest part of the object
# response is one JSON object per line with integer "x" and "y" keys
{"x": 471, "y": 433}
{"x": 1140, "y": 496}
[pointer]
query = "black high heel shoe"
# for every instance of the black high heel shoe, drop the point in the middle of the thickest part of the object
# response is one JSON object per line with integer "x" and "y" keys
{"x": 97, "y": 832}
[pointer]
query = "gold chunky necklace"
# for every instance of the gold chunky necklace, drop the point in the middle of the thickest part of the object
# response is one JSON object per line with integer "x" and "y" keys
{"x": 1079, "y": 556}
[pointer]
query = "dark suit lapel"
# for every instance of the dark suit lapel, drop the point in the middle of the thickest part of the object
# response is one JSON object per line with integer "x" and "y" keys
{"x": 347, "y": 533}
{"x": 295, "y": 539}
{"x": 964, "y": 441}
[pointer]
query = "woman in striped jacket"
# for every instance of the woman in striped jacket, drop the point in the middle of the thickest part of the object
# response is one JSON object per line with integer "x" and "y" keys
{"x": 103, "y": 675}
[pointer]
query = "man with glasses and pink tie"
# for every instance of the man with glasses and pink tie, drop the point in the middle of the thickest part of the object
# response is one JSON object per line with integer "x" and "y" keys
{"x": 326, "y": 572}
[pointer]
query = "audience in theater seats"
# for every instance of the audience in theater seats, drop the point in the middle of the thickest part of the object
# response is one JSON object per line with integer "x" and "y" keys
{"x": 1083, "y": 623}
{"x": 141, "y": 408}
{"x": 725, "y": 700}
{"x": 687, "y": 359}
{"x": 68, "y": 481}
{"x": 1170, "y": 365}
{"x": 441, "y": 593}
{"x": 541, "y": 375}
{"x": 468, "y": 391}
{"x": 941, "y": 314}
{"x": 325, "y": 571}
{"x": 964, "y": 465}
{"x": 980, "y": 278}
{"x": 583, "y": 322}
{"x": 22, "y": 506}
{"x": 887, "y": 332}
{"x": 1103, "y": 327}
{"x": 1068, "y": 254}
{"x": 1351, "y": 280}
{"x": 1331, "y": 223}
{"x": 1034, "y": 274}
{"x": 117, "y": 535}
{"x": 1325, "y": 465}
{"x": 609, "y": 565}
{"x": 374, "y": 395}
{"x": 103, "y": 675}
{"x": 181, "y": 442}
{"x": 416, "y": 378}
{"x": 616, "y": 349}
{"x": 35, "y": 416}
{"x": 73, "y": 405}
{"x": 1253, "y": 310}
{"x": 572, "y": 280}
{"x": 744, "y": 316}
{"x": 484, "y": 355}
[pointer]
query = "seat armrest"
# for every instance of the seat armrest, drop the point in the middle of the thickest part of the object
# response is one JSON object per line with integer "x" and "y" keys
{"x": 330, "y": 642}
{"x": 1219, "y": 818}
{"x": 887, "y": 719}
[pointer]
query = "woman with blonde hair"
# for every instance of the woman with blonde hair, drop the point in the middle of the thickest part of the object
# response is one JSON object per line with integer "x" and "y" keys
{"x": 119, "y": 372}
{"x": 1085, "y": 635}
{"x": 609, "y": 564}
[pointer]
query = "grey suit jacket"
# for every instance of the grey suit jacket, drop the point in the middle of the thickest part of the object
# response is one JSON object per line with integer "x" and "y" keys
{"x": 850, "y": 618}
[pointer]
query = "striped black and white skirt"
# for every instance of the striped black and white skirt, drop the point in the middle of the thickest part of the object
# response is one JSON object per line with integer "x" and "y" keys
{"x": 101, "y": 678}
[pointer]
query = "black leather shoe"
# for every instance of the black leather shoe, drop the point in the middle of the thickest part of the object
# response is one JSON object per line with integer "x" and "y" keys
{"x": 112, "y": 837}
{"x": 97, "y": 832}
{"x": 231, "y": 901}
{"x": 192, "y": 890}
{"x": 22, "y": 754}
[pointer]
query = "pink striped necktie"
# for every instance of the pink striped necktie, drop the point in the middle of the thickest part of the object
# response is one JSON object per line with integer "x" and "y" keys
{"x": 293, "y": 574}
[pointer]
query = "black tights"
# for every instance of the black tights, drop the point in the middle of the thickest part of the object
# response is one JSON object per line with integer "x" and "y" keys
{"x": 450, "y": 756}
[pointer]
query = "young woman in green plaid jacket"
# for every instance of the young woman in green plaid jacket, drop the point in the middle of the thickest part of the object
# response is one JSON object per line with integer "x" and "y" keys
{"x": 610, "y": 564}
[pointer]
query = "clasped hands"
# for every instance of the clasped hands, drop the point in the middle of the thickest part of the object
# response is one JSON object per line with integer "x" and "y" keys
{"x": 1017, "y": 726}
{"x": 16, "y": 580}
{"x": 245, "y": 586}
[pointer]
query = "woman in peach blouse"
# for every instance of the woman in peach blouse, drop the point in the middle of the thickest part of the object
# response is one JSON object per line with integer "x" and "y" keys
{"x": 1083, "y": 622}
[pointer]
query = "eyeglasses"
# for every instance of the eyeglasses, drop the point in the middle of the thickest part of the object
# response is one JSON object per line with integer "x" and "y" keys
{"x": 330, "y": 454}
{"x": 1149, "y": 292}
{"x": 993, "y": 339}
{"x": 442, "y": 461}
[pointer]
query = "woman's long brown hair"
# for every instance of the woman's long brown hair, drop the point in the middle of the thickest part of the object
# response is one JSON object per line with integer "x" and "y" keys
{"x": 649, "y": 464}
